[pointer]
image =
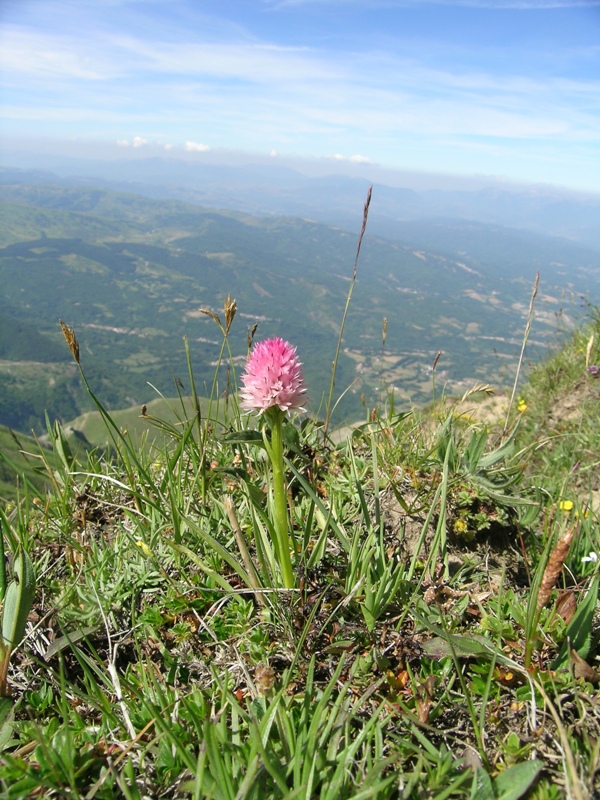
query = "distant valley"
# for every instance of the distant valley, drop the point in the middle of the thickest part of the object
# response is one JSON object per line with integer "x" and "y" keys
{"x": 130, "y": 274}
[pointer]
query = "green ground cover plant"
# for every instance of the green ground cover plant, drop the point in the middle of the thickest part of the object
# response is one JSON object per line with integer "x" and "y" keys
{"x": 438, "y": 636}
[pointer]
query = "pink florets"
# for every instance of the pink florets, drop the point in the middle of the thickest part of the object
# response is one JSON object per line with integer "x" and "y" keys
{"x": 273, "y": 377}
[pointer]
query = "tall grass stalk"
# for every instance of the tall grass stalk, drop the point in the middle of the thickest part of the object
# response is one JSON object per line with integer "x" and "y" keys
{"x": 345, "y": 314}
{"x": 526, "y": 333}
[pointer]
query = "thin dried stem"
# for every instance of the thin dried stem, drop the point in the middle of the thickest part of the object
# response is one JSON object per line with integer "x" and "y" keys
{"x": 244, "y": 552}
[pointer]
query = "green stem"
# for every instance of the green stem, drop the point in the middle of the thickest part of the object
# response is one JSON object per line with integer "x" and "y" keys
{"x": 3, "y": 521}
{"x": 280, "y": 507}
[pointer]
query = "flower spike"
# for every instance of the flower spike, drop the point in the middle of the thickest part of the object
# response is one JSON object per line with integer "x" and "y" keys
{"x": 273, "y": 377}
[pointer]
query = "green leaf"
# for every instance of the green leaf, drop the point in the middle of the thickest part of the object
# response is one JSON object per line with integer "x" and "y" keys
{"x": 499, "y": 454}
{"x": 18, "y": 600}
{"x": 6, "y": 721}
{"x": 475, "y": 449}
{"x": 291, "y": 438}
{"x": 256, "y": 493}
{"x": 578, "y": 634}
{"x": 485, "y": 789}
{"x": 468, "y": 646}
{"x": 243, "y": 437}
{"x": 217, "y": 577}
{"x": 69, "y": 639}
{"x": 516, "y": 780}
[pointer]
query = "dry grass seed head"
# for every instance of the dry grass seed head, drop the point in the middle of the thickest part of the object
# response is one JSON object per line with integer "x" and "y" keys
{"x": 554, "y": 566}
{"x": 229, "y": 308}
{"x": 69, "y": 335}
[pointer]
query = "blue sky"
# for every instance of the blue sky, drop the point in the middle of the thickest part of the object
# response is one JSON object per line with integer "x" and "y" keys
{"x": 467, "y": 87}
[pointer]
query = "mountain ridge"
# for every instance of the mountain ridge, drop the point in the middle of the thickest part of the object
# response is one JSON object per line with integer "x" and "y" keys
{"x": 266, "y": 189}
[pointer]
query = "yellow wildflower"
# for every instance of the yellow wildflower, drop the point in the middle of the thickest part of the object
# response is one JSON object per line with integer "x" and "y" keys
{"x": 566, "y": 505}
{"x": 460, "y": 526}
{"x": 521, "y": 406}
{"x": 145, "y": 549}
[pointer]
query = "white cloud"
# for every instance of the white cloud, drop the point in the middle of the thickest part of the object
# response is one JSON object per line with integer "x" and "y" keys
{"x": 139, "y": 141}
{"x": 167, "y": 146}
{"x": 122, "y": 143}
{"x": 196, "y": 147}
{"x": 355, "y": 159}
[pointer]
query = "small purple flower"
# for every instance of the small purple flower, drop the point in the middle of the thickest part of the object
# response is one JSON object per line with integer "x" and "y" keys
{"x": 273, "y": 377}
{"x": 594, "y": 370}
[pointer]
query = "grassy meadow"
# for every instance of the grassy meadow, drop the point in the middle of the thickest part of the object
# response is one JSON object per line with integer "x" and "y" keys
{"x": 440, "y": 640}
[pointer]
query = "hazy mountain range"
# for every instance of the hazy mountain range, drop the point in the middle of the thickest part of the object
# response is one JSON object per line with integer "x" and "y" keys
{"x": 266, "y": 189}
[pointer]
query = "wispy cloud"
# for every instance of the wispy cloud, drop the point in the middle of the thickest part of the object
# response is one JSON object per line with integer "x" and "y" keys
{"x": 264, "y": 63}
{"x": 50, "y": 56}
{"x": 384, "y": 90}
